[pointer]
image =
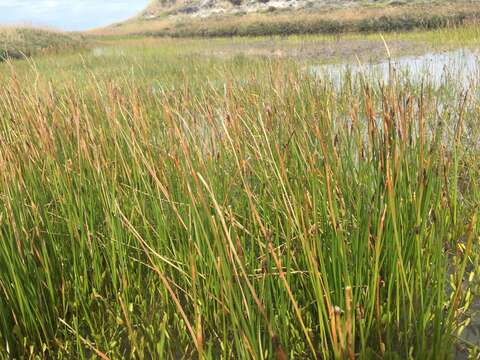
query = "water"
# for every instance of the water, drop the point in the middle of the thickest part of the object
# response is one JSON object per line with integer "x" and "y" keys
{"x": 68, "y": 14}
{"x": 433, "y": 68}
{"x": 108, "y": 52}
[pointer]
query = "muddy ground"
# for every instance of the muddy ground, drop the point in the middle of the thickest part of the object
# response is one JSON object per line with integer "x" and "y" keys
{"x": 321, "y": 51}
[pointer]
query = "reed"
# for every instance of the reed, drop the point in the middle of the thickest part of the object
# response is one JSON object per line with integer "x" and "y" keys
{"x": 232, "y": 209}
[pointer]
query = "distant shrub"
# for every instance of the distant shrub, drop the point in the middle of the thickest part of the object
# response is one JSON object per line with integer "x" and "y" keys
{"x": 11, "y": 54}
{"x": 397, "y": 3}
{"x": 318, "y": 25}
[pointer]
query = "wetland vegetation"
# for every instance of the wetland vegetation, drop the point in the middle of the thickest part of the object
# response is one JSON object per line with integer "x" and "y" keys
{"x": 208, "y": 199}
{"x": 22, "y": 42}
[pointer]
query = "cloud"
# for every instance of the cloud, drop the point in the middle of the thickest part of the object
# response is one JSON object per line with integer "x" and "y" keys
{"x": 68, "y": 14}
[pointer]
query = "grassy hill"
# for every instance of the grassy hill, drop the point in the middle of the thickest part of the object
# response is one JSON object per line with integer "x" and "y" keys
{"x": 20, "y": 42}
{"x": 283, "y": 17}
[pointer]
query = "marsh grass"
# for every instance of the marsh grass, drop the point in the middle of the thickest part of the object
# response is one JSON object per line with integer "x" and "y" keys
{"x": 20, "y": 42}
{"x": 162, "y": 208}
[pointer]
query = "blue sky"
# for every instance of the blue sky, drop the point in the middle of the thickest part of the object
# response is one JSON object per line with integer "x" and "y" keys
{"x": 68, "y": 14}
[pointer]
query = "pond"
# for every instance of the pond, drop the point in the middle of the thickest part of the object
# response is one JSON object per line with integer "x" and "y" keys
{"x": 433, "y": 68}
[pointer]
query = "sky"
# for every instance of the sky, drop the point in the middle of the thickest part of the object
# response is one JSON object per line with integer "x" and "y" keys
{"x": 68, "y": 14}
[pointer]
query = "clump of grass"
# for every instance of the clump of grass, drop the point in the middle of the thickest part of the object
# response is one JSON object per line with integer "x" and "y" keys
{"x": 259, "y": 213}
{"x": 21, "y": 42}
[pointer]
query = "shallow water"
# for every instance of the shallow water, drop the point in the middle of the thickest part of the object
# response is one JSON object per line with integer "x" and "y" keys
{"x": 108, "y": 52}
{"x": 435, "y": 69}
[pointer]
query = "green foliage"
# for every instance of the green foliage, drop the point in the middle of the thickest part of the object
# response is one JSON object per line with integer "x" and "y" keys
{"x": 320, "y": 26}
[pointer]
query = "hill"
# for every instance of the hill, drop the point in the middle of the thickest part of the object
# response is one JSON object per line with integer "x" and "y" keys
{"x": 17, "y": 42}
{"x": 285, "y": 17}
{"x": 208, "y": 8}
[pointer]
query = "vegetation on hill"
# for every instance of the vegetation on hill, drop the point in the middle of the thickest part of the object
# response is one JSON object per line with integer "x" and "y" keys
{"x": 391, "y": 16}
{"x": 20, "y": 42}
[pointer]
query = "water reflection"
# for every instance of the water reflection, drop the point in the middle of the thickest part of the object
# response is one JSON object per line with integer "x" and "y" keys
{"x": 433, "y": 68}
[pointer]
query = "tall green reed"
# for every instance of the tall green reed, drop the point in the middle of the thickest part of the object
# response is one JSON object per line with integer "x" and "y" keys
{"x": 256, "y": 214}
